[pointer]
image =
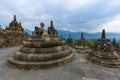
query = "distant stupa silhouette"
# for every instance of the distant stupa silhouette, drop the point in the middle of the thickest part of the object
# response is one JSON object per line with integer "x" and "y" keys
{"x": 81, "y": 46}
{"x": 116, "y": 45}
{"x": 69, "y": 41}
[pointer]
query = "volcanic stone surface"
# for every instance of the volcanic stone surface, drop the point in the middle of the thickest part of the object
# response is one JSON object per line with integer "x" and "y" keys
{"x": 12, "y": 35}
{"x": 78, "y": 69}
{"x": 104, "y": 53}
{"x": 44, "y": 49}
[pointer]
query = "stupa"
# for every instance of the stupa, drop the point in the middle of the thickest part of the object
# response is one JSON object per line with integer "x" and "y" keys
{"x": 15, "y": 33}
{"x": 69, "y": 41}
{"x": 116, "y": 45}
{"x": 82, "y": 46}
{"x": 44, "y": 49}
{"x": 2, "y": 37}
{"x": 104, "y": 53}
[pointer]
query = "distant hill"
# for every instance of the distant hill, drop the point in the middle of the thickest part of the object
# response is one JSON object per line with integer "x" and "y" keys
{"x": 28, "y": 31}
{"x": 76, "y": 35}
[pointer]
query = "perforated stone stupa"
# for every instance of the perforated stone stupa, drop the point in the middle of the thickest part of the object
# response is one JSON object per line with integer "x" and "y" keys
{"x": 104, "y": 53}
{"x": 44, "y": 49}
{"x": 82, "y": 46}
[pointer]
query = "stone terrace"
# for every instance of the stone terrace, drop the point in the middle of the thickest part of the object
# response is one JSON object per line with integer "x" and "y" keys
{"x": 78, "y": 69}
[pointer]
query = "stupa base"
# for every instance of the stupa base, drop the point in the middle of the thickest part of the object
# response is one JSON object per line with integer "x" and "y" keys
{"x": 80, "y": 49}
{"x": 112, "y": 63}
{"x": 40, "y": 65}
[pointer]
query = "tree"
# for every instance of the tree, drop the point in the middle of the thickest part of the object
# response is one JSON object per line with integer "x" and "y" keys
{"x": 90, "y": 43}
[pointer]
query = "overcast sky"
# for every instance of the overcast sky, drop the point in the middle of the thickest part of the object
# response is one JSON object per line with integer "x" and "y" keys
{"x": 72, "y": 15}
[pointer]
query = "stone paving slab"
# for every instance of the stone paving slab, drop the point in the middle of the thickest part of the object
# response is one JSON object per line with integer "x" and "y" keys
{"x": 87, "y": 78}
{"x": 78, "y": 69}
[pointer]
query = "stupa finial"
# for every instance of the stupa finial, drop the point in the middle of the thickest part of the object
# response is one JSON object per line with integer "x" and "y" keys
{"x": 51, "y": 24}
{"x": 82, "y": 35}
{"x": 103, "y": 34}
{"x": 14, "y": 17}
{"x": 114, "y": 40}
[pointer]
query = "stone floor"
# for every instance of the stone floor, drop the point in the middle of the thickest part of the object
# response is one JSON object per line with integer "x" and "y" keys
{"x": 78, "y": 69}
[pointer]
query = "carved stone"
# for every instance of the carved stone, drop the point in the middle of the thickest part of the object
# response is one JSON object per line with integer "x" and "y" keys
{"x": 52, "y": 32}
{"x": 82, "y": 46}
{"x": 2, "y": 37}
{"x": 44, "y": 49}
{"x": 69, "y": 41}
{"x": 15, "y": 34}
{"x": 104, "y": 53}
{"x": 116, "y": 45}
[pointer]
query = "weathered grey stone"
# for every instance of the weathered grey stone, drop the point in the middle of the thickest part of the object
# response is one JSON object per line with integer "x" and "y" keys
{"x": 104, "y": 53}
{"x": 44, "y": 49}
{"x": 81, "y": 46}
{"x": 70, "y": 41}
{"x": 12, "y": 35}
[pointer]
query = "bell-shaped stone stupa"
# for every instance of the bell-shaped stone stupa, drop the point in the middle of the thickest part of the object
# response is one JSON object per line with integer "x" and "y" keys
{"x": 70, "y": 41}
{"x": 44, "y": 49}
{"x": 104, "y": 53}
{"x": 82, "y": 46}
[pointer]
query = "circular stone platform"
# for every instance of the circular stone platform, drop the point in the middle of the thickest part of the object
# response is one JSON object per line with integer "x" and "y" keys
{"x": 82, "y": 49}
{"x": 44, "y": 49}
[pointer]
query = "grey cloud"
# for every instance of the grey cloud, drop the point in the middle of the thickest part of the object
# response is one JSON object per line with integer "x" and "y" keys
{"x": 79, "y": 18}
